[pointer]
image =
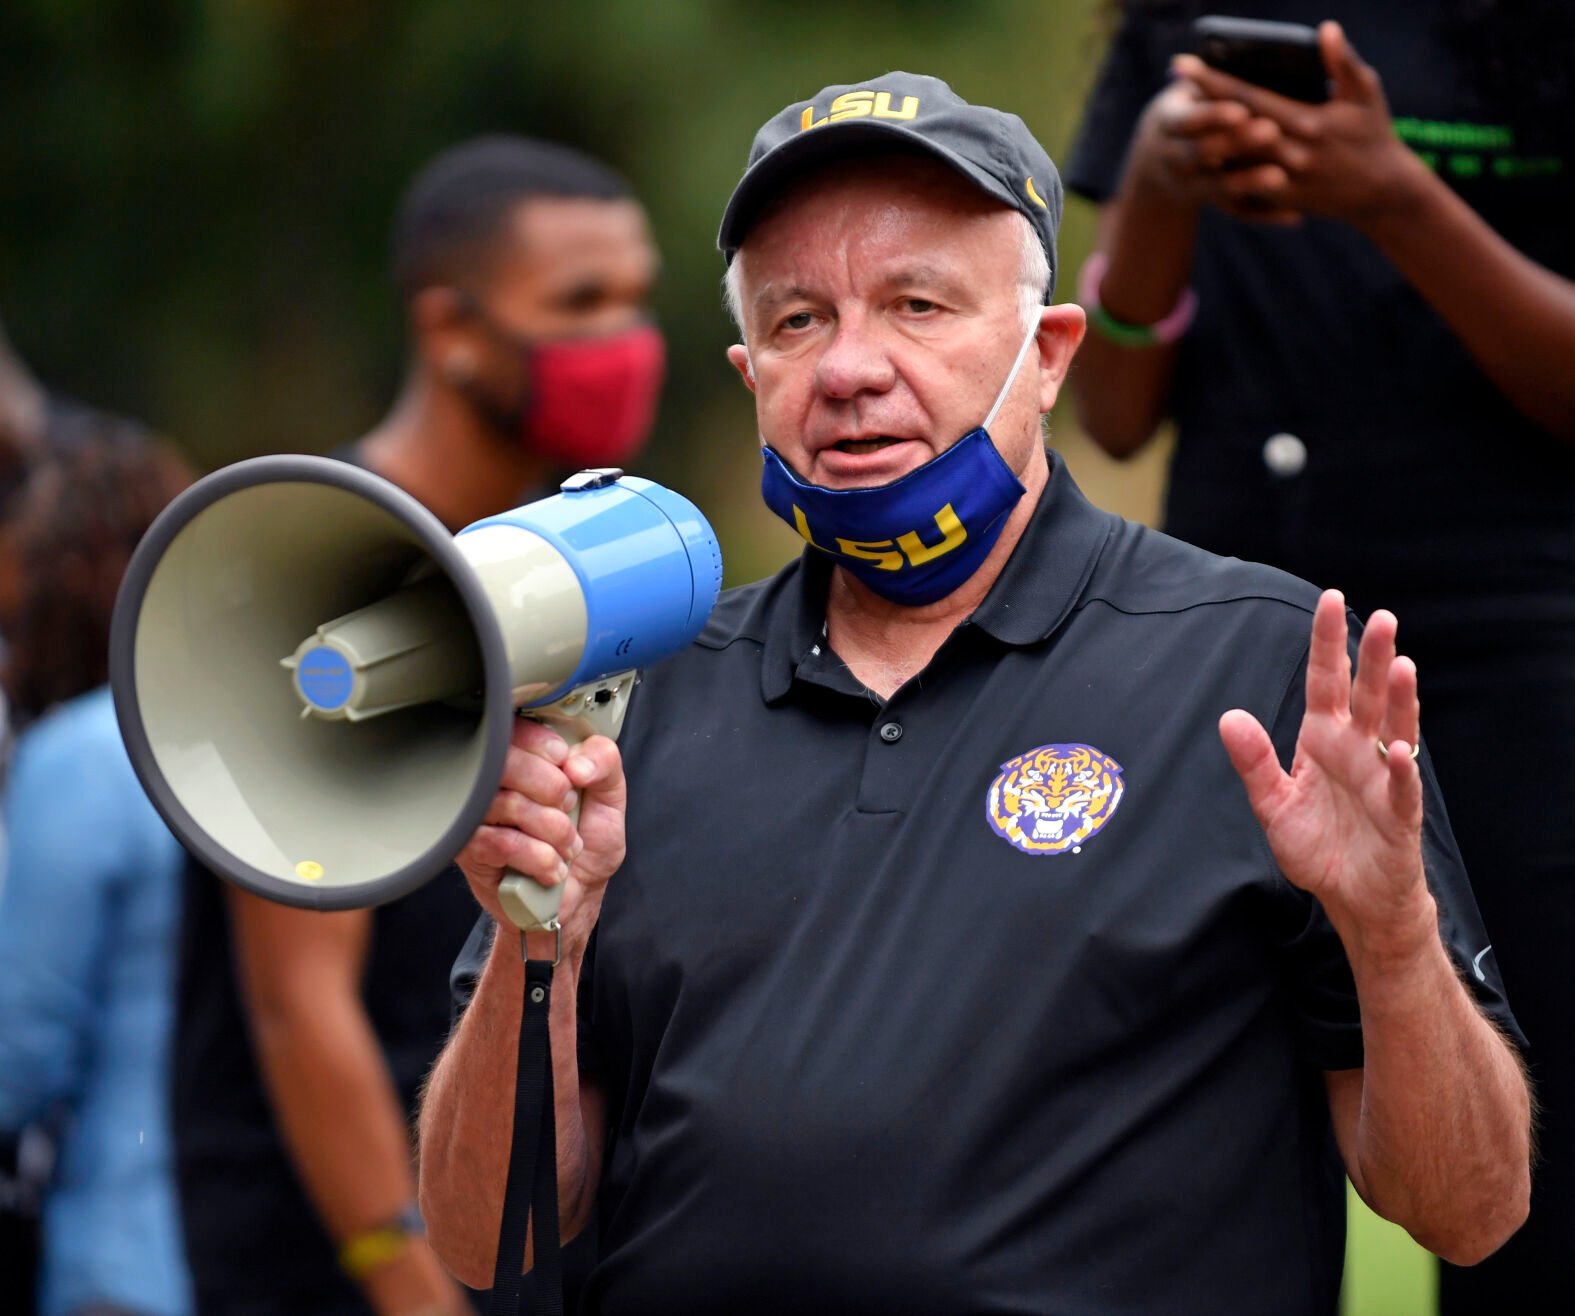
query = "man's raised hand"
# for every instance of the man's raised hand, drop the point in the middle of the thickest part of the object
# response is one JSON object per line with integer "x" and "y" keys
{"x": 1346, "y": 822}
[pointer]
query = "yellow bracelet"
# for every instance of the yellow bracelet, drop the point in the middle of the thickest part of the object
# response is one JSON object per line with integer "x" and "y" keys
{"x": 362, "y": 1253}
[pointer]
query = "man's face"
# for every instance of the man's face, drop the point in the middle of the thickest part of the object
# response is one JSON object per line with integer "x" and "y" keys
{"x": 571, "y": 268}
{"x": 881, "y": 306}
{"x": 577, "y": 268}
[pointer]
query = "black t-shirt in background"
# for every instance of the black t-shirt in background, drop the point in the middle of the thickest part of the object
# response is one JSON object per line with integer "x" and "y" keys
{"x": 253, "y": 1237}
{"x": 1423, "y": 488}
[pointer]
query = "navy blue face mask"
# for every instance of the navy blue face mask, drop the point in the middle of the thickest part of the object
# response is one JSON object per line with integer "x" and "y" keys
{"x": 915, "y": 540}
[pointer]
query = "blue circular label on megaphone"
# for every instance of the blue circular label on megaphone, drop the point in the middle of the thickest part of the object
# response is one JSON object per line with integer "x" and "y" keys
{"x": 324, "y": 678}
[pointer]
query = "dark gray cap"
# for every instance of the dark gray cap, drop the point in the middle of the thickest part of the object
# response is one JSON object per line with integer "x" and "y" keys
{"x": 992, "y": 149}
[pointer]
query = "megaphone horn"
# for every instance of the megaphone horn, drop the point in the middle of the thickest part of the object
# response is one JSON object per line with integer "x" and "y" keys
{"x": 315, "y": 681}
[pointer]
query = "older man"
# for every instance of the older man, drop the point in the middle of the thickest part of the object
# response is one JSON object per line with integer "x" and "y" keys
{"x": 945, "y": 967}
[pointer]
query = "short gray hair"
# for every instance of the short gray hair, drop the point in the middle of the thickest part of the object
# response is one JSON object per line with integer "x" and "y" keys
{"x": 1033, "y": 277}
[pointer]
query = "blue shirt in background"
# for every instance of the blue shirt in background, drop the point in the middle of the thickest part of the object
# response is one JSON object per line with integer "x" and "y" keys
{"x": 89, "y": 921}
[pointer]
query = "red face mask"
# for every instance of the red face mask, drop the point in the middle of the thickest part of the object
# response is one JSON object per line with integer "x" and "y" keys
{"x": 593, "y": 400}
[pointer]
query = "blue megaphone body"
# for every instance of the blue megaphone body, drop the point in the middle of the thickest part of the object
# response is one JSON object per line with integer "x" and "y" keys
{"x": 648, "y": 564}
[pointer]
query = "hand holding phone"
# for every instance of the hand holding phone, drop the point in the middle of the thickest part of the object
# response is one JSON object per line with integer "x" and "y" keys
{"x": 1339, "y": 158}
{"x": 1281, "y": 57}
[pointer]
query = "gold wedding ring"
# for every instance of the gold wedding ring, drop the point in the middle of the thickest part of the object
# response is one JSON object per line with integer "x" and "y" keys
{"x": 1383, "y": 749}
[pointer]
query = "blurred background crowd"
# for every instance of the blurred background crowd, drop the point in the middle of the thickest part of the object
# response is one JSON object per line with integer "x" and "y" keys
{"x": 199, "y": 231}
{"x": 208, "y": 184}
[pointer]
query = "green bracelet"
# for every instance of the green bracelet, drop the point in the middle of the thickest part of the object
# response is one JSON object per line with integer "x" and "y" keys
{"x": 1119, "y": 331}
{"x": 1159, "y": 334}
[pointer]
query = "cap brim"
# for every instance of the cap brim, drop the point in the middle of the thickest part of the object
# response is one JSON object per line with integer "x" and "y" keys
{"x": 765, "y": 179}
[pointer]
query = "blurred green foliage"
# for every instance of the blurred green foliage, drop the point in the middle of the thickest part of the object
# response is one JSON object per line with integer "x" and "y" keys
{"x": 197, "y": 192}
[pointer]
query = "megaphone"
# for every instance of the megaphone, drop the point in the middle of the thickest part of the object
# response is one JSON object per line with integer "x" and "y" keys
{"x": 316, "y": 682}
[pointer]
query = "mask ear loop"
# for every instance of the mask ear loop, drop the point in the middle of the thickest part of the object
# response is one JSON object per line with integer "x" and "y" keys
{"x": 1022, "y": 352}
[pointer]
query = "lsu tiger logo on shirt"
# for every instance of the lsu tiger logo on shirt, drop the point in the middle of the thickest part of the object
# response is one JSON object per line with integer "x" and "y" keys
{"x": 1052, "y": 799}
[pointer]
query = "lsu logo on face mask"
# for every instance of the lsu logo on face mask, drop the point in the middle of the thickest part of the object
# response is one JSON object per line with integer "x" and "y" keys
{"x": 906, "y": 550}
{"x": 859, "y": 105}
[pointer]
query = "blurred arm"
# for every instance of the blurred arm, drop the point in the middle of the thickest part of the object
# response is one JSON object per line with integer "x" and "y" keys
{"x": 1186, "y": 153}
{"x": 1122, "y": 392}
{"x": 332, "y": 1094}
{"x": 1516, "y": 318}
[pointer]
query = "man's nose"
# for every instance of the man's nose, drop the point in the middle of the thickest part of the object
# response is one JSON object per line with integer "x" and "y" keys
{"x": 855, "y": 361}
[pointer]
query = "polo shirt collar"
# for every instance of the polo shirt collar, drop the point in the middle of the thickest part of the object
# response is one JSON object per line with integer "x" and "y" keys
{"x": 797, "y": 623}
{"x": 1037, "y": 588}
{"x": 1048, "y": 570}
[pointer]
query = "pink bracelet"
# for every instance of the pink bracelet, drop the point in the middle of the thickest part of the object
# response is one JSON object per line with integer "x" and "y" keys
{"x": 1176, "y": 322}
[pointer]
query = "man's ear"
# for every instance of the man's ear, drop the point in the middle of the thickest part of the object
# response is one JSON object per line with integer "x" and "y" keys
{"x": 738, "y": 354}
{"x": 1061, "y": 330}
{"x": 442, "y": 333}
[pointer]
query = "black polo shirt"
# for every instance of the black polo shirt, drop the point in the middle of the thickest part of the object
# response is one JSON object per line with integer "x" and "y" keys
{"x": 988, "y": 998}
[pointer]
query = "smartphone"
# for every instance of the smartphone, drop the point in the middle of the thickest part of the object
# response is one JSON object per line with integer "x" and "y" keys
{"x": 1283, "y": 57}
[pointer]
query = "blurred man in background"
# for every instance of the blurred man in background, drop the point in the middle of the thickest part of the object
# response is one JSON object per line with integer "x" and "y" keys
{"x": 525, "y": 270}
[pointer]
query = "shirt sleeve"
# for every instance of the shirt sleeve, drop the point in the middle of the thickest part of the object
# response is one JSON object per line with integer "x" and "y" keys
{"x": 1328, "y": 1020}
{"x": 1135, "y": 67}
{"x": 465, "y": 972}
{"x": 67, "y": 852}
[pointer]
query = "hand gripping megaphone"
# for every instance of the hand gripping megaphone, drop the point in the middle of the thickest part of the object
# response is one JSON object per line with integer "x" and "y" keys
{"x": 316, "y": 682}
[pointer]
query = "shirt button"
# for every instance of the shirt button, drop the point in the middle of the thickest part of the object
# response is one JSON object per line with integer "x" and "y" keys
{"x": 1285, "y": 455}
{"x": 891, "y": 733}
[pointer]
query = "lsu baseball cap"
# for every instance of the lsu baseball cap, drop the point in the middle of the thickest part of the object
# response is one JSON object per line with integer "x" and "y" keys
{"x": 992, "y": 149}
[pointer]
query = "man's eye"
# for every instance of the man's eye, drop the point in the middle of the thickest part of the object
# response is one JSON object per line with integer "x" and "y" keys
{"x": 918, "y": 305}
{"x": 798, "y": 320}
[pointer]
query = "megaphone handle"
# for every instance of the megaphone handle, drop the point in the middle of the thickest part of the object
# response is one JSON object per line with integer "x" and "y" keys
{"x": 594, "y": 709}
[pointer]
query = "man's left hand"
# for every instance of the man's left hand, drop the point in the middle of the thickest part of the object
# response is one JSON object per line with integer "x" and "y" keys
{"x": 1346, "y": 822}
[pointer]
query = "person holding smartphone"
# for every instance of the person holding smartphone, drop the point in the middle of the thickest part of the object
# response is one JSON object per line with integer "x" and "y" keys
{"x": 1358, "y": 312}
